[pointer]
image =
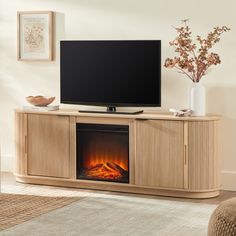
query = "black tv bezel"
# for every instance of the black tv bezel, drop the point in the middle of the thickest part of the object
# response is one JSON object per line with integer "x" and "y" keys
{"x": 102, "y": 104}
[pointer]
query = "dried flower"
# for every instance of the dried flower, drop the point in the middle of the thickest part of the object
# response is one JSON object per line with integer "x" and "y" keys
{"x": 193, "y": 61}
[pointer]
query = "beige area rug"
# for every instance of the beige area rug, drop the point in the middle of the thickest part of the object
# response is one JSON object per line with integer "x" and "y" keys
{"x": 103, "y": 214}
{"x": 119, "y": 215}
{"x": 16, "y": 208}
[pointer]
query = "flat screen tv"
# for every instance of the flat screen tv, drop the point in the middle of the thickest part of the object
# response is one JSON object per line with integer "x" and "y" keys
{"x": 111, "y": 73}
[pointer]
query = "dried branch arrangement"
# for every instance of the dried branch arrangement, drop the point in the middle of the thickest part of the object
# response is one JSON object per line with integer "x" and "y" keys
{"x": 194, "y": 61}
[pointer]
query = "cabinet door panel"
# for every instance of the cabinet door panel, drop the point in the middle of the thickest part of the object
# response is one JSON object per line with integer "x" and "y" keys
{"x": 160, "y": 153}
{"x": 203, "y": 155}
{"x": 48, "y": 145}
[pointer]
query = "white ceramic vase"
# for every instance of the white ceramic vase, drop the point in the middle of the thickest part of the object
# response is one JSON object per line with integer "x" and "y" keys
{"x": 197, "y": 99}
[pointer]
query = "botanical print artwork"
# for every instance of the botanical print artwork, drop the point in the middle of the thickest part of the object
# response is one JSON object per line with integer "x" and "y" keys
{"x": 35, "y": 31}
{"x": 34, "y": 37}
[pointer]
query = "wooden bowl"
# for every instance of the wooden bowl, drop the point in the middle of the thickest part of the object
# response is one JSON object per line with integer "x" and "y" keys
{"x": 40, "y": 100}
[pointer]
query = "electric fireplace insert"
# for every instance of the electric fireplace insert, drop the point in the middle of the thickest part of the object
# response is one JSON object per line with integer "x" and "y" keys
{"x": 102, "y": 152}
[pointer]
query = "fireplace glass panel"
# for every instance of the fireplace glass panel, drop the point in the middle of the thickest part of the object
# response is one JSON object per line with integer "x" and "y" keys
{"x": 103, "y": 152}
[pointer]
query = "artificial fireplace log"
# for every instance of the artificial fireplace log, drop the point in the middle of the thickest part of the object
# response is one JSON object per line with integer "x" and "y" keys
{"x": 105, "y": 171}
{"x": 115, "y": 167}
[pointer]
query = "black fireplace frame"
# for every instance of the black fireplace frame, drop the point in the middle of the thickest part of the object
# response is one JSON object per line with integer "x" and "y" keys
{"x": 94, "y": 127}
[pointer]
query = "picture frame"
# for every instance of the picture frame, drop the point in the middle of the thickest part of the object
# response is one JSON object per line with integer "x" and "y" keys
{"x": 35, "y": 36}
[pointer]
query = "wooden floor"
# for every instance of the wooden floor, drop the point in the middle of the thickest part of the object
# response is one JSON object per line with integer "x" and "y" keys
{"x": 8, "y": 182}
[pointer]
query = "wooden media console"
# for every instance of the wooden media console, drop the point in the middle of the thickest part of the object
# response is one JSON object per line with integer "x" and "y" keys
{"x": 168, "y": 155}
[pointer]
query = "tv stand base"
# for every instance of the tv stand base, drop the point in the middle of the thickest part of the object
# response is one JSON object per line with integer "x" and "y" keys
{"x": 117, "y": 187}
{"x": 112, "y": 110}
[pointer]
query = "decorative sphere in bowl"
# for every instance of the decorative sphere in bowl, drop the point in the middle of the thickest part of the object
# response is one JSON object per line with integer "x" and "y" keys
{"x": 41, "y": 101}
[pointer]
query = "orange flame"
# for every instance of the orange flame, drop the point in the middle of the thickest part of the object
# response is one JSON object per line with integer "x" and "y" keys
{"x": 105, "y": 157}
{"x": 97, "y": 156}
{"x": 106, "y": 171}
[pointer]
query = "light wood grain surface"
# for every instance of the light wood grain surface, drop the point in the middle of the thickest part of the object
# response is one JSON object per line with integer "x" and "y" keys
{"x": 48, "y": 145}
{"x": 21, "y": 143}
{"x": 160, "y": 157}
{"x": 167, "y": 155}
{"x": 145, "y": 115}
{"x": 203, "y": 155}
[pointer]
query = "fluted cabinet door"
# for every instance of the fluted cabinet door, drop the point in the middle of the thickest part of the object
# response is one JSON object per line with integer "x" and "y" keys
{"x": 203, "y": 155}
{"x": 48, "y": 146}
{"x": 160, "y": 153}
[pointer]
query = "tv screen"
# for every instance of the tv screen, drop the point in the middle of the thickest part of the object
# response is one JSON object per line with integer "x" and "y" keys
{"x": 111, "y": 73}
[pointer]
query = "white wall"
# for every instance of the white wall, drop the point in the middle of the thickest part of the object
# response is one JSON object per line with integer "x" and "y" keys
{"x": 122, "y": 19}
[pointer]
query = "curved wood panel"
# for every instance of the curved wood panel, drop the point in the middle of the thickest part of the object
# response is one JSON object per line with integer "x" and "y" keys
{"x": 21, "y": 143}
{"x": 203, "y": 155}
{"x": 117, "y": 187}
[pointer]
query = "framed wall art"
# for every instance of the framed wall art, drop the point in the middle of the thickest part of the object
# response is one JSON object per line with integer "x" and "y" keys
{"x": 34, "y": 35}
